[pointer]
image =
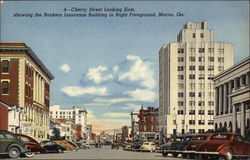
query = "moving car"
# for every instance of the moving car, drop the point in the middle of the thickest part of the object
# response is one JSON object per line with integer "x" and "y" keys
{"x": 11, "y": 145}
{"x": 194, "y": 144}
{"x": 148, "y": 146}
{"x": 225, "y": 146}
{"x": 171, "y": 146}
{"x": 32, "y": 145}
{"x": 52, "y": 147}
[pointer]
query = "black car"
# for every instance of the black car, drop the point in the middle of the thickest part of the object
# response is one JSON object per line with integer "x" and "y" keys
{"x": 171, "y": 146}
{"x": 52, "y": 147}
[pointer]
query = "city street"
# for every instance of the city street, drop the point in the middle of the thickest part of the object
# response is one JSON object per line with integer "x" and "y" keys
{"x": 103, "y": 153}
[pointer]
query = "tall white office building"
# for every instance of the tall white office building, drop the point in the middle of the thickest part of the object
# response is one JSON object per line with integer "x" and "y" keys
{"x": 76, "y": 113}
{"x": 186, "y": 71}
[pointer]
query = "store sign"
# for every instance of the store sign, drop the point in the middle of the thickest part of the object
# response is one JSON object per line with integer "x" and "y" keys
{"x": 26, "y": 128}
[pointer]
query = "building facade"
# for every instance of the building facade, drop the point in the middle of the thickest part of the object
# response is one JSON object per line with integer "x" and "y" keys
{"x": 232, "y": 103}
{"x": 4, "y": 121}
{"x": 76, "y": 113}
{"x": 186, "y": 71}
{"x": 148, "y": 122}
{"x": 25, "y": 83}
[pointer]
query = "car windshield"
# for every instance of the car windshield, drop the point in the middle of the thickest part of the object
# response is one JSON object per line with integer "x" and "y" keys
{"x": 24, "y": 139}
{"x": 200, "y": 138}
{"x": 220, "y": 137}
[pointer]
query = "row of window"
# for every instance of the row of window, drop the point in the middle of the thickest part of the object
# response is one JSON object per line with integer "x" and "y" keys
{"x": 200, "y": 94}
{"x": 192, "y": 131}
{"x": 200, "y": 112}
{"x": 200, "y": 50}
{"x": 192, "y": 122}
{"x": 201, "y": 76}
{"x": 192, "y": 103}
{"x": 200, "y": 68}
{"x": 63, "y": 112}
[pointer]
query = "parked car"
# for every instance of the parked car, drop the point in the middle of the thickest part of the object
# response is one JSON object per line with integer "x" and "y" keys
{"x": 171, "y": 146}
{"x": 11, "y": 145}
{"x": 194, "y": 144}
{"x": 185, "y": 142}
{"x": 148, "y": 146}
{"x": 66, "y": 144}
{"x": 128, "y": 146}
{"x": 225, "y": 146}
{"x": 137, "y": 146}
{"x": 52, "y": 147}
{"x": 32, "y": 145}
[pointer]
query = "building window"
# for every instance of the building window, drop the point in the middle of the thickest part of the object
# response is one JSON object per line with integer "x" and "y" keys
{"x": 201, "y": 122}
{"x": 201, "y": 68}
{"x": 174, "y": 121}
{"x": 191, "y": 94}
{"x": 193, "y": 35}
{"x": 182, "y": 121}
{"x": 180, "y": 50}
{"x": 201, "y": 59}
{"x": 201, "y": 94}
{"x": 192, "y": 76}
{"x": 201, "y": 103}
{"x": 180, "y": 103}
{"x": 202, "y": 35}
{"x": 210, "y": 59}
{"x": 180, "y": 68}
{"x": 5, "y": 66}
{"x": 201, "y": 131}
{"x": 180, "y": 77}
{"x": 210, "y": 112}
{"x": 192, "y": 50}
{"x": 192, "y": 131}
{"x": 192, "y": 122}
{"x": 201, "y": 50}
{"x": 180, "y": 94}
{"x": 220, "y": 68}
{"x": 192, "y": 59}
{"x": 180, "y": 112}
{"x": 220, "y": 59}
{"x": 180, "y": 59}
{"x": 191, "y": 112}
{"x": 192, "y": 86}
{"x": 191, "y": 67}
{"x": 5, "y": 87}
{"x": 180, "y": 86}
{"x": 210, "y": 122}
{"x": 201, "y": 112}
{"x": 210, "y": 50}
{"x": 210, "y": 68}
{"x": 192, "y": 103}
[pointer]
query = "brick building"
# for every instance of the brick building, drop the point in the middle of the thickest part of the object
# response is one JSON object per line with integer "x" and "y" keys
{"x": 25, "y": 83}
{"x": 3, "y": 116}
{"x": 148, "y": 122}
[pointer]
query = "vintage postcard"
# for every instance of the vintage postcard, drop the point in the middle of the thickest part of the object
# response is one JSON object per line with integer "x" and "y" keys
{"x": 124, "y": 79}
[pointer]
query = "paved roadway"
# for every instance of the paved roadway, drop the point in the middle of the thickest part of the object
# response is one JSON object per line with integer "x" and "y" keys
{"x": 103, "y": 153}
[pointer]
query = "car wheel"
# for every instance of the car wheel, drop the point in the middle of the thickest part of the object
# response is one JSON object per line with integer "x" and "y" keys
{"x": 164, "y": 154}
{"x": 229, "y": 155}
{"x": 14, "y": 152}
{"x": 175, "y": 154}
{"x": 29, "y": 154}
{"x": 184, "y": 155}
{"x": 60, "y": 150}
{"x": 191, "y": 156}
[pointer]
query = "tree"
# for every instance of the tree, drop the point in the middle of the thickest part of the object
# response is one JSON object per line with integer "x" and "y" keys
{"x": 56, "y": 133}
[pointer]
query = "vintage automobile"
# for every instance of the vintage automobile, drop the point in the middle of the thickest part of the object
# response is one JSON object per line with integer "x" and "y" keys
{"x": 11, "y": 145}
{"x": 185, "y": 142}
{"x": 225, "y": 146}
{"x": 52, "y": 147}
{"x": 148, "y": 146}
{"x": 194, "y": 144}
{"x": 66, "y": 144}
{"x": 171, "y": 147}
{"x": 32, "y": 145}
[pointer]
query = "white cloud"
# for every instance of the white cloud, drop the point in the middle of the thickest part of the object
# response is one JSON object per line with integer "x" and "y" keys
{"x": 114, "y": 114}
{"x": 115, "y": 69}
{"x": 1, "y": 1}
{"x": 142, "y": 95}
{"x": 97, "y": 74}
{"x": 73, "y": 91}
{"x": 136, "y": 95}
{"x": 133, "y": 107}
{"x": 65, "y": 68}
{"x": 139, "y": 71}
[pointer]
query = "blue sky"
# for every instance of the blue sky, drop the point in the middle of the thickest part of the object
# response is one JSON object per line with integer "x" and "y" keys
{"x": 110, "y": 65}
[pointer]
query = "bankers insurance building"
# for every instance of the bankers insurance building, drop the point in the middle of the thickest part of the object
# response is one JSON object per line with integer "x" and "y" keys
{"x": 186, "y": 87}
